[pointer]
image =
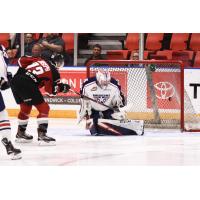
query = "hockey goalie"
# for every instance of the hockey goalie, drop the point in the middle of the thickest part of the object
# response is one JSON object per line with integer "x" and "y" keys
{"x": 103, "y": 105}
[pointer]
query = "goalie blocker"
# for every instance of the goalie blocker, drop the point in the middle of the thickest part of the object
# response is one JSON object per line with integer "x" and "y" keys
{"x": 112, "y": 127}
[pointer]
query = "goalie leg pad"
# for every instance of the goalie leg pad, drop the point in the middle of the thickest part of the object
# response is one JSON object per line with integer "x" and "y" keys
{"x": 117, "y": 128}
{"x": 137, "y": 125}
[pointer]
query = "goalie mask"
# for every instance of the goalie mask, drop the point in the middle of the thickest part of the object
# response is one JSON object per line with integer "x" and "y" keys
{"x": 103, "y": 78}
{"x": 58, "y": 60}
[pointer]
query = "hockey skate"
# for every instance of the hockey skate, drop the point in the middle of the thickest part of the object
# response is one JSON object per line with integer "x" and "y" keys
{"x": 43, "y": 139}
{"x": 23, "y": 137}
{"x": 15, "y": 154}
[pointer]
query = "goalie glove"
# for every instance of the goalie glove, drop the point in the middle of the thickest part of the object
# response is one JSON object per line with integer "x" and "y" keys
{"x": 63, "y": 87}
{"x": 4, "y": 84}
{"x": 85, "y": 110}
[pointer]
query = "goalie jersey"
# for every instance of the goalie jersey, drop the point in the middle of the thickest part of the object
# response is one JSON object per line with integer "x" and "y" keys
{"x": 110, "y": 96}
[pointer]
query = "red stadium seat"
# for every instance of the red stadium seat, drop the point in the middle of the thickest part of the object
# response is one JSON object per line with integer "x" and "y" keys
{"x": 4, "y": 39}
{"x": 118, "y": 54}
{"x": 195, "y": 42}
{"x": 147, "y": 54}
{"x": 186, "y": 56}
{"x": 197, "y": 60}
{"x": 154, "y": 41}
{"x": 132, "y": 41}
{"x": 190, "y": 53}
{"x": 167, "y": 53}
{"x": 69, "y": 42}
{"x": 158, "y": 57}
{"x": 179, "y": 41}
{"x": 183, "y": 56}
{"x": 36, "y": 36}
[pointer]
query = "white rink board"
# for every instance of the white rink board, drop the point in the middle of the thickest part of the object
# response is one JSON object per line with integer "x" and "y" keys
{"x": 11, "y": 104}
{"x": 191, "y": 76}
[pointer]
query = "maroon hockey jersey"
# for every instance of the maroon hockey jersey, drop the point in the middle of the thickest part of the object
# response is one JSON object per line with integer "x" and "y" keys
{"x": 46, "y": 74}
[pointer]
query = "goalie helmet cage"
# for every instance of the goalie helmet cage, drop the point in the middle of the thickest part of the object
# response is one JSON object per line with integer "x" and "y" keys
{"x": 154, "y": 91}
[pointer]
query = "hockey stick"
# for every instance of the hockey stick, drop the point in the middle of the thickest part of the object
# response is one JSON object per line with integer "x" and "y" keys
{"x": 88, "y": 98}
{"x": 122, "y": 109}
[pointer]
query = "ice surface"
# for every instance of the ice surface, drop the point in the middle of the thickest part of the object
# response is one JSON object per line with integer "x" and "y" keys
{"x": 76, "y": 147}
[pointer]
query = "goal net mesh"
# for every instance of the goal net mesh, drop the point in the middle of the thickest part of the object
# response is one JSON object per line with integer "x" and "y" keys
{"x": 152, "y": 91}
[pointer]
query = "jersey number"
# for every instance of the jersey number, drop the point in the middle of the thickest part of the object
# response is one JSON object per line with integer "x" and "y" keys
{"x": 39, "y": 67}
{"x": 38, "y": 70}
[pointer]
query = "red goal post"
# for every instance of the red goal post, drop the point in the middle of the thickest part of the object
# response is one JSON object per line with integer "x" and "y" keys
{"x": 154, "y": 88}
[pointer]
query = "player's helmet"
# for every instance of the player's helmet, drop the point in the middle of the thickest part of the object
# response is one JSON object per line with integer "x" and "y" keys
{"x": 58, "y": 59}
{"x": 103, "y": 78}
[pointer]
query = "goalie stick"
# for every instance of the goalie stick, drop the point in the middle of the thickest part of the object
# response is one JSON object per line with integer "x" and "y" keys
{"x": 86, "y": 97}
{"x": 122, "y": 109}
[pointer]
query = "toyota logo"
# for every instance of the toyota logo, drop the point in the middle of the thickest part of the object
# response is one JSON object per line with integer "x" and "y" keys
{"x": 164, "y": 90}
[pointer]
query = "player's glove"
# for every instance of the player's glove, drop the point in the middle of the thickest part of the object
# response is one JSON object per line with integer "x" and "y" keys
{"x": 4, "y": 84}
{"x": 63, "y": 87}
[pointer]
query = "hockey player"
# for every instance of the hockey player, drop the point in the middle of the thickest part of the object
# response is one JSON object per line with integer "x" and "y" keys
{"x": 5, "y": 129}
{"x": 33, "y": 74}
{"x": 106, "y": 120}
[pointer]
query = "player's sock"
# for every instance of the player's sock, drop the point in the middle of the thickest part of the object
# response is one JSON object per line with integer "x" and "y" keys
{"x": 42, "y": 120}
{"x": 5, "y": 129}
{"x": 23, "y": 117}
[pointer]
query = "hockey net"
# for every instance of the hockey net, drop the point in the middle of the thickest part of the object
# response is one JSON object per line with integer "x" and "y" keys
{"x": 154, "y": 91}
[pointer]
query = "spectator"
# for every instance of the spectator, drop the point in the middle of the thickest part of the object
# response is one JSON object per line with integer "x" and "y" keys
{"x": 28, "y": 43}
{"x": 12, "y": 60}
{"x": 52, "y": 44}
{"x": 134, "y": 56}
{"x": 15, "y": 44}
{"x": 96, "y": 54}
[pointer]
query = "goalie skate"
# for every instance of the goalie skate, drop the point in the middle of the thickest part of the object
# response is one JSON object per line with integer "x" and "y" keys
{"x": 15, "y": 154}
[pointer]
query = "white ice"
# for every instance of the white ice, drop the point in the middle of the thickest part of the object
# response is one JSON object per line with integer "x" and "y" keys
{"x": 76, "y": 147}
